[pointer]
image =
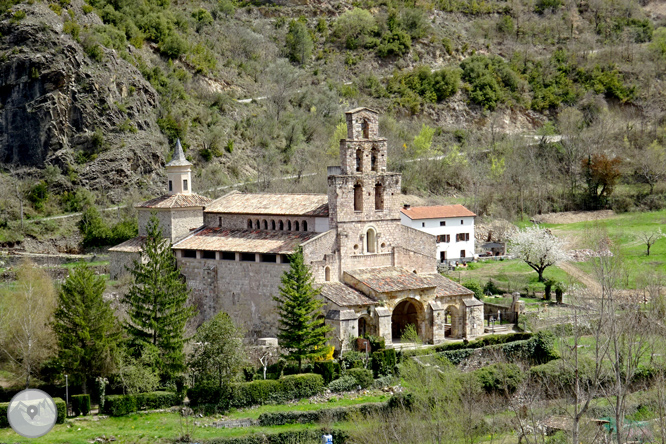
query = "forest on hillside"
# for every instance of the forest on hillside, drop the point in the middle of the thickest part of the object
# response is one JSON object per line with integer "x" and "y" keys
{"x": 512, "y": 107}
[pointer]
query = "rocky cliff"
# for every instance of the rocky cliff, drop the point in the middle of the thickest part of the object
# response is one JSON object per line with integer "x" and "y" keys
{"x": 94, "y": 120}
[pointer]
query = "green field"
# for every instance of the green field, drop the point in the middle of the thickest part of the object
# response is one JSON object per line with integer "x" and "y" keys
{"x": 623, "y": 229}
{"x": 166, "y": 427}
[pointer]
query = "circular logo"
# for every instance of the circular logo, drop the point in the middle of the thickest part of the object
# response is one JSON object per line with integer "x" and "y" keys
{"x": 32, "y": 413}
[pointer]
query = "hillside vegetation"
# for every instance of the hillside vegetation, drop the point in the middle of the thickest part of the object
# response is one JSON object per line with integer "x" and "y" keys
{"x": 511, "y": 107}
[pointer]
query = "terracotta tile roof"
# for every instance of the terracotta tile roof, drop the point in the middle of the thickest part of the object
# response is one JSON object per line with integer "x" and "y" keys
{"x": 361, "y": 108}
{"x": 344, "y": 296}
{"x": 176, "y": 201}
{"x": 277, "y": 204}
{"x": 445, "y": 286}
{"x": 437, "y": 212}
{"x": 385, "y": 279}
{"x": 130, "y": 246}
{"x": 244, "y": 241}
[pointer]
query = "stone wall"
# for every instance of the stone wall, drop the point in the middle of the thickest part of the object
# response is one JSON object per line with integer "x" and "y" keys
{"x": 341, "y": 192}
{"x": 118, "y": 260}
{"x": 414, "y": 261}
{"x": 244, "y": 290}
{"x": 319, "y": 253}
{"x": 175, "y": 223}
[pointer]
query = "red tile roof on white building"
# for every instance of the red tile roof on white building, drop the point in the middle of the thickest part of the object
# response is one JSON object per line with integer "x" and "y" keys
{"x": 437, "y": 212}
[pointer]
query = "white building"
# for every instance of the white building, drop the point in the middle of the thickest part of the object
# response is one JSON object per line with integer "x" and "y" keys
{"x": 452, "y": 224}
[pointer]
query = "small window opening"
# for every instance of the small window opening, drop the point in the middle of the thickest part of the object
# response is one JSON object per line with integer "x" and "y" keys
{"x": 249, "y": 224}
{"x": 257, "y": 224}
{"x": 208, "y": 254}
{"x": 184, "y": 184}
{"x": 288, "y": 225}
{"x": 359, "y": 161}
{"x": 170, "y": 186}
{"x": 247, "y": 257}
{"x": 192, "y": 254}
{"x": 365, "y": 127}
{"x": 372, "y": 241}
{"x": 305, "y": 225}
{"x": 358, "y": 197}
{"x": 373, "y": 159}
{"x": 327, "y": 274}
{"x": 265, "y": 223}
{"x": 281, "y": 226}
{"x": 219, "y": 221}
{"x": 379, "y": 197}
{"x": 272, "y": 225}
{"x": 442, "y": 223}
{"x": 296, "y": 226}
{"x": 461, "y": 222}
{"x": 228, "y": 256}
{"x": 269, "y": 258}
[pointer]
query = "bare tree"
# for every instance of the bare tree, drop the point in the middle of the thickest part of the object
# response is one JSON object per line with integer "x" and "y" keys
{"x": 28, "y": 339}
{"x": 650, "y": 237}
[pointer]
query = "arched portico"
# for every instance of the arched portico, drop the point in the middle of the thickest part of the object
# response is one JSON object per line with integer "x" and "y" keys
{"x": 408, "y": 312}
{"x": 452, "y": 322}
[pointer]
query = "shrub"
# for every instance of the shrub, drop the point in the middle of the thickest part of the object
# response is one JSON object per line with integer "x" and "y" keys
{"x": 120, "y": 405}
{"x": 344, "y": 384}
{"x": 353, "y": 27}
{"x": 383, "y": 362}
{"x": 500, "y": 377}
{"x": 377, "y": 343}
{"x": 174, "y": 46}
{"x": 394, "y": 43}
{"x": 157, "y": 400}
{"x": 302, "y": 386}
{"x": 352, "y": 359}
{"x": 475, "y": 287}
{"x": 329, "y": 370}
{"x": 363, "y": 376}
{"x": 491, "y": 288}
{"x": 81, "y": 404}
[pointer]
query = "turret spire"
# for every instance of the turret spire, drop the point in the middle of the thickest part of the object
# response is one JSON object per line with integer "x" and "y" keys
{"x": 179, "y": 172}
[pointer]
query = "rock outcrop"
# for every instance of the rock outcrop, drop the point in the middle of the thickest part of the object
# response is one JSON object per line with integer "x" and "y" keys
{"x": 60, "y": 107}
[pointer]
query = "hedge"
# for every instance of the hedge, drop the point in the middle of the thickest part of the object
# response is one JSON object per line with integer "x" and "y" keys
{"x": 120, "y": 405}
{"x": 363, "y": 376}
{"x": 329, "y": 370}
{"x": 383, "y": 362}
{"x": 477, "y": 343}
{"x": 81, "y": 404}
{"x": 246, "y": 394}
{"x": 60, "y": 407}
{"x": 333, "y": 415}
{"x": 302, "y": 436}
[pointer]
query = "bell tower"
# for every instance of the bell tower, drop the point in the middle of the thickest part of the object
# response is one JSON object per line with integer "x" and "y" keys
{"x": 179, "y": 173}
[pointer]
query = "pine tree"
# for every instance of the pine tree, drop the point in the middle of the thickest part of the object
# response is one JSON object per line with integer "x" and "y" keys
{"x": 157, "y": 303}
{"x": 302, "y": 328}
{"x": 85, "y": 327}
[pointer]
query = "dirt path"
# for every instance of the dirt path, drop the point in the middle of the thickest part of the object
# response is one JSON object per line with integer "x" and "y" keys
{"x": 581, "y": 276}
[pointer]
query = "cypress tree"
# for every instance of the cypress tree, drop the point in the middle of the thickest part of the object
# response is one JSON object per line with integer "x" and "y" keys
{"x": 85, "y": 327}
{"x": 157, "y": 303}
{"x": 302, "y": 328}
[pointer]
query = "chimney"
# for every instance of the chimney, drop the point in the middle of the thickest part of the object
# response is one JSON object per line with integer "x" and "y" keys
{"x": 407, "y": 206}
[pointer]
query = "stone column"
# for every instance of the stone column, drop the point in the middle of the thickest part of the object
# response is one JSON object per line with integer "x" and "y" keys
{"x": 438, "y": 321}
{"x": 384, "y": 324}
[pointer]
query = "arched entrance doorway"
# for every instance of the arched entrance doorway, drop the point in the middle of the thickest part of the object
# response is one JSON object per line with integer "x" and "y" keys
{"x": 407, "y": 312}
{"x": 451, "y": 324}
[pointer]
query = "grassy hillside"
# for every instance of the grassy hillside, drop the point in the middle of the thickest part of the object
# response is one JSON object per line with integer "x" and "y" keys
{"x": 473, "y": 86}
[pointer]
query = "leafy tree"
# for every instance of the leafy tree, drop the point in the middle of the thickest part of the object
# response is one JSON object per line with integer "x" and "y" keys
{"x": 538, "y": 248}
{"x": 138, "y": 374}
{"x": 353, "y": 27}
{"x": 299, "y": 42}
{"x": 302, "y": 329}
{"x": 157, "y": 303}
{"x": 658, "y": 44}
{"x": 218, "y": 350}
{"x": 85, "y": 326}
{"x": 601, "y": 174}
{"x": 25, "y": 315}
{"x": 92, "y": 228}
{"x": 39, "y": 194}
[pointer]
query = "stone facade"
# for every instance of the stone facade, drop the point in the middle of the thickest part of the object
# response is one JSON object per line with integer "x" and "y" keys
{"x": 175, "y": 223}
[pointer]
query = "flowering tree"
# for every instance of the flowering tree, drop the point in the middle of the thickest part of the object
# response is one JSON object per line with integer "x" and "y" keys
{"x": 538, "y": 248}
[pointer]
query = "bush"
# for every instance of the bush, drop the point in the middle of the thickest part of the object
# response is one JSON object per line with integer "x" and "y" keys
{"x": 500, "y": 378}
{"x": 363, "y": 376}
{"x": 491, "y": 288}
{"x": 60, "y": 407}
{"x": 383, "y": 362}
{"x": 352, "y": 359}
{"x": 329, "y": 370}
{"x": 81, "y": 404}
{"x": 344, "y": 384}
{"x": 174, "y": 46}
{"x": 376, "y": 343}
{"x": 475, "y": 287}
{"x": 120, "y": 405}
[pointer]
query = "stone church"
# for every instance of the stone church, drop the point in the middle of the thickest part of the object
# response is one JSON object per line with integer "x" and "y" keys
{"x": 377, "y": 276}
